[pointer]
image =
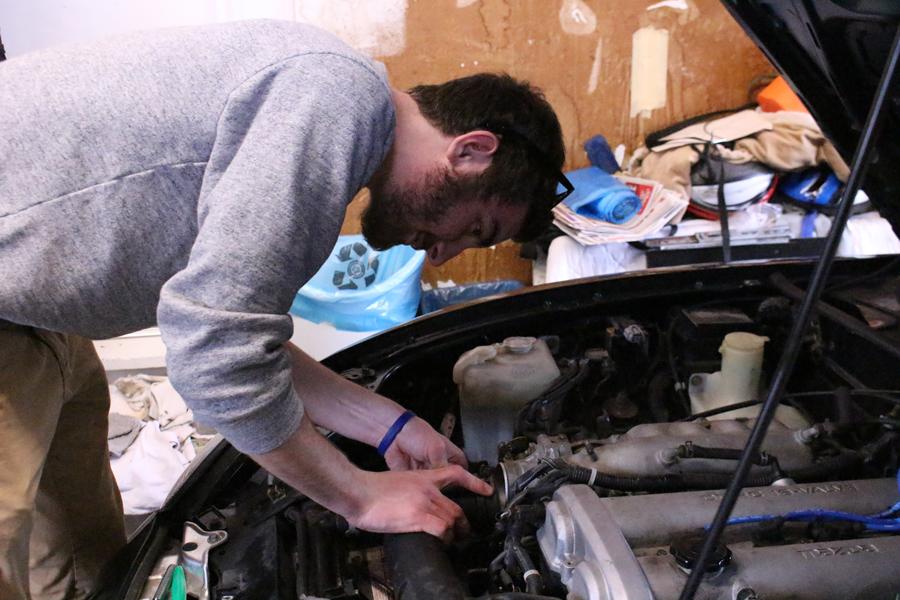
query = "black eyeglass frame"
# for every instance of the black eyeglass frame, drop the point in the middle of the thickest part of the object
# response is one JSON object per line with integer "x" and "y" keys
{"x": 510, "y": 132}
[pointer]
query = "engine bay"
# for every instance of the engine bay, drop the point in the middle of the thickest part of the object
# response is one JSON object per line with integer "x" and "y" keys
{"x": 608, "y": 440}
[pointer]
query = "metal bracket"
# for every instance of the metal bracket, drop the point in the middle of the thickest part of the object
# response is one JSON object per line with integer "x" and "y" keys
{"x": 194, "y": 557}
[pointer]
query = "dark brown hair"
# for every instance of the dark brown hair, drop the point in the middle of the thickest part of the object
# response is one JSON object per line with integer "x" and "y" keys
{"x": 516, "y": 175}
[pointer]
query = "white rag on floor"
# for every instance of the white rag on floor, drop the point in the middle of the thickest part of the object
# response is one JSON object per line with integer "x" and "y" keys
{"x": 147, "y": 469}
{"x": 130, "y": 396}
{"x": 171, "y": 411}
{"x": 149, "y": 397}
{"x": 150, "y": 467}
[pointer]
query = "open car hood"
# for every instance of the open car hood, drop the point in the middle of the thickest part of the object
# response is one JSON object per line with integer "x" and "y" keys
{"x": 832, "y": 52}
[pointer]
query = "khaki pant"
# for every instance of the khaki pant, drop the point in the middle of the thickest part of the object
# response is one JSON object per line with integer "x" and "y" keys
{"x": 60, "y": 511}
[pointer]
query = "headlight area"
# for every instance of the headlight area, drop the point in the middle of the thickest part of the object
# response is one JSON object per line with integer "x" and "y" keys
{"x": 609, "y": 439}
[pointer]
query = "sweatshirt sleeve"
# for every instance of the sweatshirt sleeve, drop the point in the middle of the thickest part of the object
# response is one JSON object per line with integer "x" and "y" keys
{"x": 293, "y": 145}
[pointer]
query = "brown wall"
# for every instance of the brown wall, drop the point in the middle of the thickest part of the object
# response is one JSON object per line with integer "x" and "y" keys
{"x": 585, "y": 73}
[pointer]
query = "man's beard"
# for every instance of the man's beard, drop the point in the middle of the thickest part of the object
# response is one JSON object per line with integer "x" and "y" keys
{"x": 389, "y": 218}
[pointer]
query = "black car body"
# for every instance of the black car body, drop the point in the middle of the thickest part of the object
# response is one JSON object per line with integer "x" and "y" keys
{"x": 609, "y": 479}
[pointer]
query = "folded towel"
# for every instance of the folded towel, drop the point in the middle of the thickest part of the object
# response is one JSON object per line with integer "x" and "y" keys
{"x": 601, "y": 196}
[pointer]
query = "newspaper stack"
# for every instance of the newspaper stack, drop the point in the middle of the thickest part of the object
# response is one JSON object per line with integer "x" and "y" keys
{"x": 659, "y": 207}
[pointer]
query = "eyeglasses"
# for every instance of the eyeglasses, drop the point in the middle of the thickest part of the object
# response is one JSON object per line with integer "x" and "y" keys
{"x": 511, "y": 133}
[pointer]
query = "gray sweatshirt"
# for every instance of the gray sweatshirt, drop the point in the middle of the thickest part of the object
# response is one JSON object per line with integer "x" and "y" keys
{"x": 195, "y": 178}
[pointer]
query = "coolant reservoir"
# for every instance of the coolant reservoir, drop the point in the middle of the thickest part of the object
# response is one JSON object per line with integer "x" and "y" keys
{"x": 495, "y": 382}
{"x": 738, "y": 381}
{"x": 742, "y": 357}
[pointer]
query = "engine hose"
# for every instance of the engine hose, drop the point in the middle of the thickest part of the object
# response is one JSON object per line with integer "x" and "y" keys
{"x": 657, "y": 392}
{"x": 515, "y": 596}
{"x": 689, "y": 450}
{"x": 844, "y": 463}
{"x": 534, "y": 583}
{"x": 703, "y": 481}
{"x": 324, "y": 570}
{"x": 479, "y": 510}
{"x": 420, "y": 568}
{"x": 302, "y": 532}
{"x": 670, "y": 482}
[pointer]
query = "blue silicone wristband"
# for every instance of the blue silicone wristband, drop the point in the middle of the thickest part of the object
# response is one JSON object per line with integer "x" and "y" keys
{"x": 393, "y": 431}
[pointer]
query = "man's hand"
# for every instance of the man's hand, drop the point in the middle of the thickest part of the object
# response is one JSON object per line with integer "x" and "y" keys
{"x": 388, "y": 502}
{"x": 419, "y": 446}
{"x": 399, "y": 502}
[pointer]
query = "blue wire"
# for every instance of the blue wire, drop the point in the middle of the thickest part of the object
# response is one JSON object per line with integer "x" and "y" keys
{"x": 814, "y": 514}
{"x": 878, "y": 522}
{"x": 887, "y": 513}
{"x": 896, "y": 507}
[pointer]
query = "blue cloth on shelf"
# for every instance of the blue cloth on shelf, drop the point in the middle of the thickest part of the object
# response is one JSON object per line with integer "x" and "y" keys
{"x": 599, "y": 195}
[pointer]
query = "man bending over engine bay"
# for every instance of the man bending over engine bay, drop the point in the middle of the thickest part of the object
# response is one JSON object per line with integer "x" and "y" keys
{"x": 196, "y": 178}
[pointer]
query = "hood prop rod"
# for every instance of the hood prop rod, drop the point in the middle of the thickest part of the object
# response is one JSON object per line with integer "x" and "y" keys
{"x": 785, "y": 367}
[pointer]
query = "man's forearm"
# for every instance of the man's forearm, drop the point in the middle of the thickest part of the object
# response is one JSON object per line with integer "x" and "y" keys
{"x": 312, "y": 465}
{"x": 334, "y": 403}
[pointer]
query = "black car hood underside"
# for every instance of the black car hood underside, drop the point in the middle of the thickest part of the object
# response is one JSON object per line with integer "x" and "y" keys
{"x": 832, "y": 52}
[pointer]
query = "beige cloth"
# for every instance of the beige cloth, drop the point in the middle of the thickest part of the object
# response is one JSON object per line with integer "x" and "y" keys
{"x": 794, "y": 142}
{"x": 60, "y": 512}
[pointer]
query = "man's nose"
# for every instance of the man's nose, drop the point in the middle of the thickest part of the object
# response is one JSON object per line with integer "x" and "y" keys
{"x": 442, "y": 251}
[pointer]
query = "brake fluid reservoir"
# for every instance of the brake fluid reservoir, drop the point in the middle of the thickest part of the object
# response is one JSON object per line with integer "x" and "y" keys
{"x": 495, "y": 382}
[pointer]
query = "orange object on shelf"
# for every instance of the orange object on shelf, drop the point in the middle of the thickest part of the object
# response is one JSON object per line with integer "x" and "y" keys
{"x": 778, "y": 95}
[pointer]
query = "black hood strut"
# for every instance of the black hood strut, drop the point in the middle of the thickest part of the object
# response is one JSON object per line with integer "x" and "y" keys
{"x": 861, "y": 158}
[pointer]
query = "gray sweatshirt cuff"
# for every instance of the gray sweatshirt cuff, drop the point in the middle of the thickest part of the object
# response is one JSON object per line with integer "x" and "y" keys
{"x": 267, "y": 427}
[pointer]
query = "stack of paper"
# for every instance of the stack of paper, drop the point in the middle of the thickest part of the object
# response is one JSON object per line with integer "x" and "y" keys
{"x": 659, "y": 207}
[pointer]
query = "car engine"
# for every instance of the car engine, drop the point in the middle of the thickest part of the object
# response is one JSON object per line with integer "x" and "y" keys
{"x": 608, "y": 442}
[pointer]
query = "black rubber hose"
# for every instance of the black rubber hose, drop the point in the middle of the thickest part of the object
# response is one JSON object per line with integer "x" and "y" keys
{"x": 678, "y": 482}
{"x": 843, "y": 405}
{"x": 657, "y": 391}
{"x": 534, "y": 583}
{"x": 672, "y": 482}
{"x": 302, "y": 532}
{"x": 420, "y": 568}
{"x": 688, "y": 450}
{"x": 706, "y": 481}
{"x": 515, "y": 596}
{"x": 692, "y": 451}
{"x": 481, "y": 511}
{"x": 845, "y": 463}
{"x": 722, "y": 409}
{"x": 324, "y": 573}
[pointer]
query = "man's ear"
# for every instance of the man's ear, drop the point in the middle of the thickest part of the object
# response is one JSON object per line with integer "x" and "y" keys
{"x": 471, "y": 152}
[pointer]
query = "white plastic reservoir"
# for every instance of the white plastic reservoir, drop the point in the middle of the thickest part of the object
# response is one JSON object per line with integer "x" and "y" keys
{"x": 738, "y": 381}
{"x": 495, "y": 382}
{"x": 742, "y": 357}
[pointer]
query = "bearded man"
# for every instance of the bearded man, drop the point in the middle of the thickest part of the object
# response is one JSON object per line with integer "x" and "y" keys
{"x": 196, "y": 178}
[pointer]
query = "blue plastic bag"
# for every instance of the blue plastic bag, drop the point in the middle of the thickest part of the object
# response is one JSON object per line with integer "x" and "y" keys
{"x": 439, "y": 298}
{"x": 361, "y": 289}
{"x": 599, "y": 195}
